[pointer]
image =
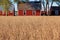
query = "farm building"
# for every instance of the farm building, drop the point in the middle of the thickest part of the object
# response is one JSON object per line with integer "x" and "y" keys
{"x": 11, "y": 11}
{"x": 55, "y": 10}
{"x": 29, "y": 8}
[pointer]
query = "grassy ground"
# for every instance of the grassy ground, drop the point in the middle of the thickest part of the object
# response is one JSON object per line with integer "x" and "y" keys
{"x": 30, "y": 28}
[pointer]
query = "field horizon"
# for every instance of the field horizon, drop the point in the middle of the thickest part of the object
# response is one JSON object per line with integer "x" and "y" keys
{"x": 29, "y": 27}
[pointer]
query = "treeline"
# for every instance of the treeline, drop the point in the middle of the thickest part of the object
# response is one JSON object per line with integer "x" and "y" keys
{"x": 6, "y": 4}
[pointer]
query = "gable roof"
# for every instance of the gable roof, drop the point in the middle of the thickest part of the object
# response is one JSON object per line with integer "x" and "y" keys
{"x": 55, "y": 7}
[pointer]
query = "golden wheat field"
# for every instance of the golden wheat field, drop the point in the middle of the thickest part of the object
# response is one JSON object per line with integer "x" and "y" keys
{"x": 30, "y": 28}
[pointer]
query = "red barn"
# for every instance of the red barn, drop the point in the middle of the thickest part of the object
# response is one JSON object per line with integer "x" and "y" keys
{"x": 11, "y": 11}
{"x": 29, "y": 8}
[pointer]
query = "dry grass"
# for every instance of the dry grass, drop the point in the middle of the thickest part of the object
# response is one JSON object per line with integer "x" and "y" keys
{"x": 30, "y": 28}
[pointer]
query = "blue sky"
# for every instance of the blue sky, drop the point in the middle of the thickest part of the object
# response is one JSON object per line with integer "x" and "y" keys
{"x": 54, "y": 4}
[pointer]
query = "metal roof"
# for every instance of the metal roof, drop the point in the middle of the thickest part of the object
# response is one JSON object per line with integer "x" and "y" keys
{"x": 55, "y": 7}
